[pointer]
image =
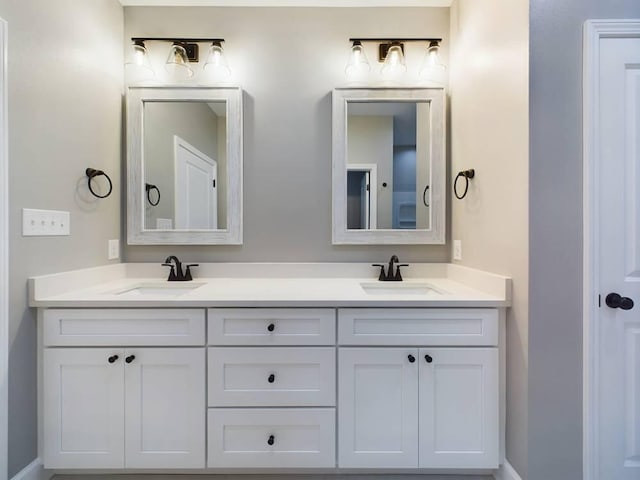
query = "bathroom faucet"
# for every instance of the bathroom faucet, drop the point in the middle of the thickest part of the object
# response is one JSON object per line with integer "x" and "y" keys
{"x": 390, "y": 276}
{"x": 176, "y": 274}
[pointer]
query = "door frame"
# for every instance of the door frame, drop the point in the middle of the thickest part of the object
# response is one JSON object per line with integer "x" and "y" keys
{"x": 593, "y": 32}
{"x": 4, "y": 250}
{"x": 372, "y": 168}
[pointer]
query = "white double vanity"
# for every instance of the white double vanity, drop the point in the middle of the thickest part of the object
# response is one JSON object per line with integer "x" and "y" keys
{"x": 271, "y": 367}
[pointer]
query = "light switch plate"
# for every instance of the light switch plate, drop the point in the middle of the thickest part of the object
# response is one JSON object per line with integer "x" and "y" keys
{"x": 114, "y": 249}
{"x": 457, "y": 250}
{"x": 45, "y": 223}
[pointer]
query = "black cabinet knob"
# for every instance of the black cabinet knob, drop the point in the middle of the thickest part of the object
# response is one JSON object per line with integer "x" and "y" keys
{"x": 428, "y": 358}
{"x": 411, "y": 358}
{"x": 271, "y": 440}
{"x": 272, "y": 378}
{"x": 130, "y": 358}
{"x": 113, "y": 358}
{"x": 271, "y": 327}
{"x": 615, "y": 300}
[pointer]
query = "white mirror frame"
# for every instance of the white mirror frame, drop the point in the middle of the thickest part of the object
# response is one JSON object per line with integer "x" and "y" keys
{"x": 136, "y": 233}
{"x": 437, "y": 141}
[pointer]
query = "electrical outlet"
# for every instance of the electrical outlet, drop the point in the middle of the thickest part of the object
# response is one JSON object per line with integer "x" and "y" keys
{"x": 114, "y": 249}
{"x": 457, "y": 250}
{"x": 45, "y": 223}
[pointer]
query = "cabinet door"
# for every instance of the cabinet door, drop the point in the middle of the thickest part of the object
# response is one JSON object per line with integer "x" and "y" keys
{"x": 459, "y": 419}
{"x": 165, "y": 408}
{"x": 83, "y": 401}
{"x": 378, "y": 407}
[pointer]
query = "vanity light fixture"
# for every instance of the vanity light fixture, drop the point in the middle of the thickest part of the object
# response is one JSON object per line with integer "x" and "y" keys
{"x": 138, "y": 62}
{"x": 183, "y": 51}
{"x": 431, "y": 63}
{"x": 358, "y": 62}
{"x": 391, "y": 54}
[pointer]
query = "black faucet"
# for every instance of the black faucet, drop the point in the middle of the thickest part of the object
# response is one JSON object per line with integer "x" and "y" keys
{"x": 176, "y": 274}
{"x": 390, "y": 276}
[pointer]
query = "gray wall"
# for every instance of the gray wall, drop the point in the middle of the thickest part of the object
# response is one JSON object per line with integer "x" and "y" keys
{"x": 65, "y": 88}
{"x": 288, "y": 60}
{"x": 555, "y": 209}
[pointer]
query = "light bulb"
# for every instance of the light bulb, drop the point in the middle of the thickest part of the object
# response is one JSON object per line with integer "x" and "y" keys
{"x": 216, "y": 63}
{"x": 394, "y": 63}
{"x": 358, "y": 63}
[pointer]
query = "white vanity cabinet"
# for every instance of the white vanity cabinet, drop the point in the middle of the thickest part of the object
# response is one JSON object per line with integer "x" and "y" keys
{"x": 418, "y": 406}
{"x": 113, "y": 400}
{"x": 283, "y": 359}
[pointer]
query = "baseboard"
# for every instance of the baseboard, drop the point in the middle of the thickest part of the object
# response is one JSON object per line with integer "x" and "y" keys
{"x": 506, "y": 472}
{"x": 33, "y": 471}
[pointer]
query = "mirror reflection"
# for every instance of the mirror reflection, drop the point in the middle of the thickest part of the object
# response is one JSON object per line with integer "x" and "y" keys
{"x": 388, "y": 165}
{"x": 185, "y": 165}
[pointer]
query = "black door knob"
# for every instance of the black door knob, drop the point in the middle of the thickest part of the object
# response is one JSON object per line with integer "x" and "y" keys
{"x": 411, "y": 358}
{"x": 113, "y": 358}
{"x": 615, "y": 300}
{"x": 272, "y": 378}
{"x": 271, "y": 440}
{"x": 130, "y": 358}
{"x": 271, "y": 327}
{"x": 428, "y": 358}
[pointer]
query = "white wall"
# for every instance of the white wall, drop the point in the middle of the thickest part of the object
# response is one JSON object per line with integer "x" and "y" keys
{"x": 489, "y": 132}
{"x": 288, "y": 60}
{"x": 65, "y": 95}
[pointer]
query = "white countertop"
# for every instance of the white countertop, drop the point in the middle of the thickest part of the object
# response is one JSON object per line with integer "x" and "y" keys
{"x": 270, "y": 285}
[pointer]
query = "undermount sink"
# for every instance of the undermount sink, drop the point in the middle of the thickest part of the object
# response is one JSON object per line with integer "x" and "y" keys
{"x": 165, "y": 289}
{"x": 399, "y": 288}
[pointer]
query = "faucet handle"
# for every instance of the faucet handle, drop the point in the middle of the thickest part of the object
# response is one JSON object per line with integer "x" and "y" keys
{"x": 172, "y": 272}
{"x": 187, "y": 273}
{"x": 398, "y": 275}
{"x": 382, "y": 276}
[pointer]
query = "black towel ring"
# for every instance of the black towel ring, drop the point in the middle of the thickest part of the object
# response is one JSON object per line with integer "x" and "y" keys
{"x": 424, "y": 196}
{"x": 92, "y": 172}
{"x": 148, "y": 187}
{"x": 467, "y": 175}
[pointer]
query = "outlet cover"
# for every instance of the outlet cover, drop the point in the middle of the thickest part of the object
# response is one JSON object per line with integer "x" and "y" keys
{"x": 45, "y": 223}
{"x": 457, "y": 250}
{"x": 114, "y": 249}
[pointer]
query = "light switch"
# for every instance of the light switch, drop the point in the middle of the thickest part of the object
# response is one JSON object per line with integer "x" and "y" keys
{"x": 45, "y": 223}
{"x": 457, "y": 250}
{"x": 114, "y": 249}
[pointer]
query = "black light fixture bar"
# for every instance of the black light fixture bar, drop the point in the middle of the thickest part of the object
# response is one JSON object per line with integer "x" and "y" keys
{"x": 179, "y": 40}
{"x": 394, "y": 39}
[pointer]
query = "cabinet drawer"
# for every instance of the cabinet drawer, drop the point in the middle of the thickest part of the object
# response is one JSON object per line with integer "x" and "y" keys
{"x": 271, "y": 376}
{"x": 271, "y": 326}
{"x": 279, "y": 438}
{"x": 137, "y": 327}
{"x": 418, "y": 326}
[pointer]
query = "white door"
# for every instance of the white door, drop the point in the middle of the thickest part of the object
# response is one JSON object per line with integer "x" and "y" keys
{"x": 165, "y": 407}
{"x": 83, "y": 408}
{"x": 616, "y": 330}
{"x": 378, "y": 407}
{"x": 196, "y": 187}
{"x": 365, "y": 201}
{"x": 458, "y": 409}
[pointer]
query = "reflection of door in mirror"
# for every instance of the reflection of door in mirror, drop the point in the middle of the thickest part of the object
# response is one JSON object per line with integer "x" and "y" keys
{"x": 184, "y": 155}
{"x": 392, "y": 136}
{"x": 362, "y": 201}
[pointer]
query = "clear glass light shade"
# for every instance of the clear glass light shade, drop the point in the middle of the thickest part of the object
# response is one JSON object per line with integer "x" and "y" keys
{"x": 431, "y": 64}
{"x": 178, "y": 62}
{"x": 358, "y": 63}
{"x": 216, "y": 63}
{"x": 138, "y": 64}
{"x": 394, "y": 62}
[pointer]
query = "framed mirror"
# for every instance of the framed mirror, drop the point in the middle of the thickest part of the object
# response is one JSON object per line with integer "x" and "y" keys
{"x": 184, "y": 165}
{"x": 389, "y": 166}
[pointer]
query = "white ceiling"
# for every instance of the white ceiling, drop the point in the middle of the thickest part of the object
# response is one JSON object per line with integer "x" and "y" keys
{"x": 288, "y": 3}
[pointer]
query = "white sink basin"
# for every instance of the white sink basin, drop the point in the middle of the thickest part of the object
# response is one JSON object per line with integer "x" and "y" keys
{"x": 165, "y": 289}
{"x": 399, "y": 288}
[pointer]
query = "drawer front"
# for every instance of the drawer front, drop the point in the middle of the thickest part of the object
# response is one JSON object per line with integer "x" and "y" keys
{"x": 272, "y": 326}
{"x": 272, "y": 377}
{"x": 136, "y": 327}
{"x": 279, "y": 438}
{"x": 418, "y": 326}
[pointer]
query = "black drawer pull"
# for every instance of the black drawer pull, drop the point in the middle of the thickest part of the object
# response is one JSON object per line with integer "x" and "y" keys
{"x": 428, "y": 358}
{"x": 271, "y": 327}
{"x": 272, "y": 378}
{"x": 113, "y": 358}
{"x": 130, "y": 358}
{"x": 411, "y": 358}
{"x": 271, "y": 440}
